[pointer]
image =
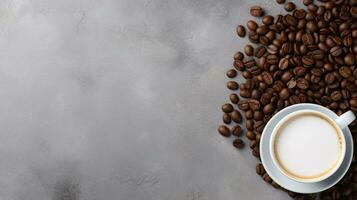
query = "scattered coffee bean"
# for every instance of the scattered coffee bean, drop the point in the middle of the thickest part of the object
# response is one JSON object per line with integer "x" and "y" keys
{"x": 227, "y": 108}
{"x": 280, "y": 1}
{"x": 243, "y": 105}
{"x": 260, "y": 169}
{"x": 226, "y": 118}
{"x": 236, "y": 130}
{"x": 248, "y": 50}
{"x": 231, "y": 73}
{"x": 232, "y": 85}
{"x": 250, "y": 135}
{"x": 224, "y": 131}
{"x": 238, "y": 143}
{"x": 240, "y": 31}
{"x": 236, "y": 116}
{"x": 234, "y": 98}
{"x": 256, "y": 11}
{"x": 290, "y": 6}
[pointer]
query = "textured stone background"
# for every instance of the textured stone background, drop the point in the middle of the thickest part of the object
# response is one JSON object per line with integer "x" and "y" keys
{"x": 120, "y": 99}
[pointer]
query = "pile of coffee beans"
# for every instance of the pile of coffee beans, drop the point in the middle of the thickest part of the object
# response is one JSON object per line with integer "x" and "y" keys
{"x": 306, "y": 55}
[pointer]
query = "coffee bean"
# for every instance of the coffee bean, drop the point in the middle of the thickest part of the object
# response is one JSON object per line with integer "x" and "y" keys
{"x": 268, "y": 109}
{"x": 238, "y": 56}
{"x": 231, "y": 73}
{"x": 268, "y": 79}
{"x": 268, "y": 20}
{"x": 290, "y": 20}
{"x": 252, "y": 25}
{"x": 234, "y": 98}
{"x": 299, "y": 71}
{"x": 226, "y": 118}
{"x": 240, "y": 31}
{"x": 291, "y": 84}
{"x": 308, "y": 61}
{"x": 290, "y": 6}
{"x": 236, "y": 116}
{"x": 258, "y": 115}
{"x": 302, "y": 83}
{"x": 250, "y": 135}
{"x": 249, "y": 124}
{"x": 336, "y": 51}
{"x": 224, "y": 131}
{"x": 284, "y": 94}
{"x": 248, "y": 50}
{"x": 238, "y": 143}
{"x": 267, "y": 178}
{"x": 259, "y": 51}
{"x": 260, "y": 169}
{"x": 236, "y": 130}
{"x": 254, "y": 104}
{"x": 307, "y": 2}
{"x": 286, "y": 76}
{"x": 232, "y": 85}
{"x": 227, "y": 108}
{"x": 349, "y": 59}
{"x": 345, "y": 72}
{"x": 294, "y": 100}
{"x": 259, "y": 126}
{"x": 256, "y": 11}
{"x": 245, "y": 93}
{"x": 243, "y": 105}
{"x": 329, "y": 78}
{"x": 336, "y": 95}
{"x": 284, "y": 63}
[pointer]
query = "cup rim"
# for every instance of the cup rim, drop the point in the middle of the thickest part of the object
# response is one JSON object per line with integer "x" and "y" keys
{"x": 312, "y": 180}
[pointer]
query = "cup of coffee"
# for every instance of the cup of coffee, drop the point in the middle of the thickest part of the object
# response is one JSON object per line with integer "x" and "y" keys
{"x": 309, "y": 146}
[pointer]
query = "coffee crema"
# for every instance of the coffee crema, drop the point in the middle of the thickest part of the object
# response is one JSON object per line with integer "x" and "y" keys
{"x": 308, "y": 145}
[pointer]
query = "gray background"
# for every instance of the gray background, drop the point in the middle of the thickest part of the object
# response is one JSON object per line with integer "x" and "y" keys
{"x": 120, "y": 100}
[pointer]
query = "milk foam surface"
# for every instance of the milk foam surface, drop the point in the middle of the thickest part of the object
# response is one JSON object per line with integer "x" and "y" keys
{"x": 307, "y": 145}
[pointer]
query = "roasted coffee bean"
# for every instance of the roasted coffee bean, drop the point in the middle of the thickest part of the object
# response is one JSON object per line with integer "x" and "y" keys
{"x": 232, "y": 85}
{"x": 254, "y": 104}
{"x": 290, "y": 6}
{"x": 250, "y": 135}
{"x": 231, "y": 73}
{"x": 234, "y": 98}
{"x": 268, "y": 109}
{"x": 249, "y": 124}
{"x": 345, "y": 72}
{"x": 259, "y": 126}
{"x": 302, "y": 83}
{"x": 336, "y": 51}
{"x": 249, "y": 114}
{"x": 308, "y": 61}
{"x": 236, "y": 116}
{"x": 267, "y": 178}
{"x": 259, "y": 51}
{"x": 268, "y": 20}
{"x": 227, "y": 108}
{"x": 260, "y": 169}
{"x": 336, "y": 95}
{"x": 236, "y": 130}
{"x": 268, "y": 79}
{"x": 329, "y": 78}
{"x": 256, "y": 11}
{"x": 238, "y": 143}
{"x": 249, "y": 50}
{"x": 243, "y": 105}
{"x": 240, "y": 31}
{"x": 350, "y": 59}
{"x": 291, "y": 83}
{"x": 224, "y": 131}
{"x": 238, "y": 56}
{"x": 245, "y": 93}
{"x": 284, "y": 93}
{"x": 286, "y": 76}
{"x": 299, "y": 71}
{"x": 252, "y": 25}
{"x": 258, "y": 115}
{"x": 226, "y": 118}
{"x": 284, "y": 63}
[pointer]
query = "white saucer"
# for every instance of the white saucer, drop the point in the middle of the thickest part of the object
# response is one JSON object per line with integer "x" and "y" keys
{"x": 288, "y": 183}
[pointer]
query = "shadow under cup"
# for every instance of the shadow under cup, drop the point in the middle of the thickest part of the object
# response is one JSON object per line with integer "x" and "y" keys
{"x": 278, "y": 134}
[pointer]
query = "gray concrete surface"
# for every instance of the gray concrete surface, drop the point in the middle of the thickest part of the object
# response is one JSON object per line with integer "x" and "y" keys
{"x": 120, "y": 100}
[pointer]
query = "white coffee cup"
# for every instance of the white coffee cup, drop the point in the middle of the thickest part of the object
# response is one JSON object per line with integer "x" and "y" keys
{"x": 309, "y": 146}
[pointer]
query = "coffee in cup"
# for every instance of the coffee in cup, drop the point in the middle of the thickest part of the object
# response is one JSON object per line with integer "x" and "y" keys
{"x": 307, "y": 146}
